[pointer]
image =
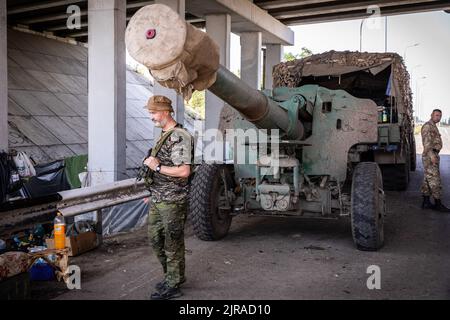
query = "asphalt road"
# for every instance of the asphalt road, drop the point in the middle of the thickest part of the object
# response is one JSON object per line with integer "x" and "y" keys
{"x": 285, "y": 258}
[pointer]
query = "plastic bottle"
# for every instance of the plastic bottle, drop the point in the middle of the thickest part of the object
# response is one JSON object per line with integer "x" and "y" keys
{"x": 60, "y": 231}
{"x": 385, "y": 115}
{"x": 380, "y": 116}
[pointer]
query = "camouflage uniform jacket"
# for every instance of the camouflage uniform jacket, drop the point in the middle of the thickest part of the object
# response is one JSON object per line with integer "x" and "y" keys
{"x": 176, "y": 150}
{"x": 431, "y": 138}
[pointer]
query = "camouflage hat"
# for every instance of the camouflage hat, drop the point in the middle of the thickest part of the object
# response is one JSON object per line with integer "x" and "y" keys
{"x": 159, "y": 103}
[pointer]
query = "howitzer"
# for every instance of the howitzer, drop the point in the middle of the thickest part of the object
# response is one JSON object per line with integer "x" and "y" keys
{"x": 322, "y": 166}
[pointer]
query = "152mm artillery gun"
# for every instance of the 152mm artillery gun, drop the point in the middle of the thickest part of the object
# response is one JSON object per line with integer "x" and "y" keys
{"x": 313, "y": 136}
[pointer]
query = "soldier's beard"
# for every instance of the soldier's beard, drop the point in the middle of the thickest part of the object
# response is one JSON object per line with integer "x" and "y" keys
{"x": 160, "y": 124}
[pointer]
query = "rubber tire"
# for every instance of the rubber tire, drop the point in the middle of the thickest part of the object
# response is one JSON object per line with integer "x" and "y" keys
{"x": 395, "y": 176}
{"x": 203, "y": 205}
{"x": 367, "y": 207}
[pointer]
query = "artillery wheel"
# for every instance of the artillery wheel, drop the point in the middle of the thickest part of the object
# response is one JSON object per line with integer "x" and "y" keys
{"x": 209, "y": 209}
{"x": 396, "y": 176}
{"x": 367, "y": 207}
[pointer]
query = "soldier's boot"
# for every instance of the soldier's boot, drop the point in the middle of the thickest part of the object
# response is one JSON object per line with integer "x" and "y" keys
{"x": 160, "y": 285}
{"x": 166, "y": 293}
{"x": 439, "y": 206}
{"x": 426, "y": 204}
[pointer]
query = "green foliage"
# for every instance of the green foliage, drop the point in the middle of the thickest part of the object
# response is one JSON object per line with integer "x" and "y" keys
{"x": 289, "y": 56}
{"x": 417, "y": 129}
{"x": 197, "y": 104}
{"x": 305, "y": 52}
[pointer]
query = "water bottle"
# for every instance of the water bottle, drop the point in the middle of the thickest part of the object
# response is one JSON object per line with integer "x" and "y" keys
{"x": 385, "y": 115}
{"x": 60, "y": 231}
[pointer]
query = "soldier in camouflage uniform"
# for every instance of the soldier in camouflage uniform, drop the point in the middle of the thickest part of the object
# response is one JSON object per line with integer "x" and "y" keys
{"x": 168, "y": 202}
{"x": 432, "y": 145}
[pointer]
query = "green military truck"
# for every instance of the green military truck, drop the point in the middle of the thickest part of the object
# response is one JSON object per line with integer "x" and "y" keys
{"x": 381, "y": 77}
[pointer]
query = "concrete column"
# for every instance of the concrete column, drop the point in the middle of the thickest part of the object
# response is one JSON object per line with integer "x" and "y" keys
{"x": 177, "y": 100}
{"x": 176, "y": 5}
{"x": 251, "y": 43}
{"x": 107, "y": 90}
{"x": 274, "y": 55}
{"x": 218, "y": 28}
{"x": 3, "y": 79}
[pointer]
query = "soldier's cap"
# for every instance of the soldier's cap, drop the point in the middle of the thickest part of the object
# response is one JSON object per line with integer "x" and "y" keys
{"x": 159, "y": 103}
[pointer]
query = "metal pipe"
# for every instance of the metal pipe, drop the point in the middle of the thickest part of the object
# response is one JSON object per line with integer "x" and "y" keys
{"x": 253, "y": 105}
{"x": 75, "y": 202}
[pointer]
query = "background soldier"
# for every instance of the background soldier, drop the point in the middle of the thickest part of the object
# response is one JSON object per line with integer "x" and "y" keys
{"x": 171, "y": 165}
{"x": 432, "y": 145}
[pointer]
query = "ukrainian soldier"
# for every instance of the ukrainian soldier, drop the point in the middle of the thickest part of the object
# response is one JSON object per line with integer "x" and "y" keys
{"x": 170, "y": 162}
{"x": 432, "y": 145}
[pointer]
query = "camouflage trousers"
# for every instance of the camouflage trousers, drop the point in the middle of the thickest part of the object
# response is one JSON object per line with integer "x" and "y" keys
{"x": 431, "y": 185}
{"x": 166, "y": 233}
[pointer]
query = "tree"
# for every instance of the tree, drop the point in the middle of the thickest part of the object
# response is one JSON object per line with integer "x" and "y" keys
{"x": 288, "y": 56}
{"x": 305, "y": 52}
{"x": 197, "y": 103}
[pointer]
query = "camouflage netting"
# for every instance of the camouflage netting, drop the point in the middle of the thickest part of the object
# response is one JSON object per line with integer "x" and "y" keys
{"x": 289, "y": 74}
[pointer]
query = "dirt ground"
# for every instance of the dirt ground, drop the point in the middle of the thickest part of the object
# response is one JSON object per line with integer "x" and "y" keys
{"x": 283, "y": 258}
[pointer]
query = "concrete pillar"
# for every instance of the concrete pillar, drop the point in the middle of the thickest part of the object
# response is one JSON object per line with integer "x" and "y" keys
{"x": 274, "y": 55}
{"x": 177, "y": 100}
{"x": 251, "y": 43}
{"x": 218, "y": 27}
{"x": 107, "y": 90}
{"x": 3, "y": 79}
{"x": 176, "y": 5}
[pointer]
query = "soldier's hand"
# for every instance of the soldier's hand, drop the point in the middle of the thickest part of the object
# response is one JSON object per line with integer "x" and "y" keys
{"x": 152, "y": 162}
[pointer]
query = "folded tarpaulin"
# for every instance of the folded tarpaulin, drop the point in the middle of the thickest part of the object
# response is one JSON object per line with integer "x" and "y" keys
{"x": 125, "y": 217}
{"x": 50, "y": 178}
{"x": 74, "y": 166}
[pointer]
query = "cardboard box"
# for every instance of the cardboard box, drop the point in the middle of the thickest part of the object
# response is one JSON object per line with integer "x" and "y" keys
{"x": 77, "y": 244}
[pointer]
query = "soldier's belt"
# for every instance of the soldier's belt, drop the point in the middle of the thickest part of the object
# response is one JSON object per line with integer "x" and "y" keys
{"x": 436, "y": 151}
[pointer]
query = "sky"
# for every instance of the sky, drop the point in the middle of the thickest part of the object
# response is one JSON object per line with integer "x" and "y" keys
{"x": 430, "y": 58}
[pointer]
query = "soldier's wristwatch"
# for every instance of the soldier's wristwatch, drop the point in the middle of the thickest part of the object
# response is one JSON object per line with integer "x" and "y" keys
{"x": 158, "y": 168}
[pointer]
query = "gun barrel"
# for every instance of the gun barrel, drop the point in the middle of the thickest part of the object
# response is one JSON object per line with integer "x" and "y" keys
{"x": 253, "y": 104}
{"x": 183, "y": 58}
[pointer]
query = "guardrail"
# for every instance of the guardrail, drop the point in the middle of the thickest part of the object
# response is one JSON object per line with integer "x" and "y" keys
{"x": 74, "y": 202}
